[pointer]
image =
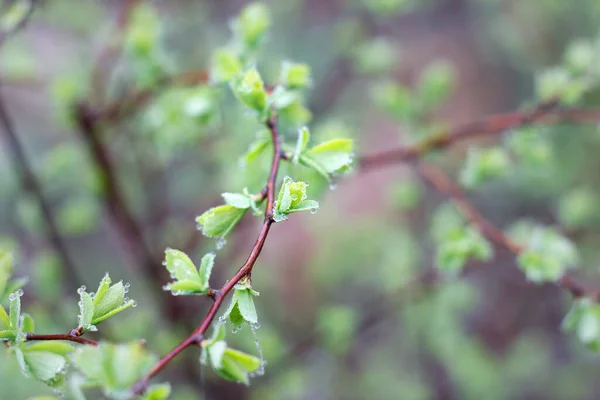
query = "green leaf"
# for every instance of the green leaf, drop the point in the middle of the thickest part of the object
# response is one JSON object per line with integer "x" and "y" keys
{"x": 375, "y": 57}
{"x": 295, "y": 75}
{"x": 86, "y": 310}
{"x": 237, "y": 200}
{"x": 261, "y": 143}
{"x": 180, "y": 266}
{"x": 225, "y": 65}
{"x": 245, "y": 303}
{"x": 303, "y": 138}
{"x": 250, "y": 90}
{"x": 547, "y": 256}
{"x": 219, "y": 221}
{"x": 4, "y": 319}
{"x": 252, "y": 23}
{"x": 184, "y": 287}
{"x": 116, "y": 367}
{"x": 160, "y": 391}
{"x": 435, "y": 85}
{"x": 43, "y": 365}
{"x": 110, "y": 300}
{"x": 584, "y": 319}
{"x": 329, "y": 157}
{"x": 102, "y": 289}
{"x": 482, "y": 165}
{"x": 459, "y": 245}
{"x": 206, "y": 266}
{"x": 215, "y": 353}
{"x": 7, "y": 335}
{"x": 15, "y": 310}
{"x": 292, "y": 198}
{"x": 55, "y": 347}
{"x": 27, "y": 324}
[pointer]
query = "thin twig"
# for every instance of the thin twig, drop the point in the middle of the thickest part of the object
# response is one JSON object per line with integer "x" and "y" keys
{"x": 197, "y": 336}
{"x": 444, "y": 184}
{"x": 492, "y": 125}
{"x": 32, "y": 185}
{"x": 64, "y": 336}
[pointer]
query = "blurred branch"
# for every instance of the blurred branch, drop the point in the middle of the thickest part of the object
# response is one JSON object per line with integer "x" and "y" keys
{"x": 546, "y": 114}
{"x": 444, "y": 184}
{"x": 32, "y": 185}
{"x": 113, "y": 197}
{"x": 218, "y": 296}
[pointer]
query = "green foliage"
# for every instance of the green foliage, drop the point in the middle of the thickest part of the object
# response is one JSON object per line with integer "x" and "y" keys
{"x": 547, "y": 255}
{"x": 584, "y": 320}
{"x": 45, "y": 361}
{"x": 295, "y": 75}
{"x": 241, "y": 309}
{"x": 435, "y": 84}
{"x": 375, "y": 57}
{"x": 114, "y": 367}
{"x": 292, "y": 198}
{"x": 230, "y": 364}
{"x": 187, "y": 279}
{"x": 106, "y": 302}
{"x": 460, "y": 244}
{"x": 483, "y": 165}
{"x": 577, "y": 208}
{"x": 252, "y": 24}
{"x": 249, "y": 89}
{"x": 219, "y": 221}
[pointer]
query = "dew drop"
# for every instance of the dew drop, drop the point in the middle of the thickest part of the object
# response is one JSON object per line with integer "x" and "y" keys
{"x": 261, "y": 369}
{"x": 222, "y": 318}
{"x": 332, "y": 186}
{"x": 134, "y": 304}
{"x": 19, "y": 292}
{"x": 221, "y": 242}
{"x": 12, "y": 297}
{"x": 126, "y": 287}
{"x": 313, "y": 210}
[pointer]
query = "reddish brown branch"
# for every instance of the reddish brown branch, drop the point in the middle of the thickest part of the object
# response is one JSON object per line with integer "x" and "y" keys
{"x": 546, "y": 114}
{"x": 445, "y": 185}
{"x": 196, "y": 337}
{"x": 65, "y": 336}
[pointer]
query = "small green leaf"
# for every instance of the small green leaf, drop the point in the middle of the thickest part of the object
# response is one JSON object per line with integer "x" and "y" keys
{"x": 4, "y": 319}
{"x": 294, "y": 75}
{"x": 27, "y": 324}
{"x": 215, "y": 353}
{"x": 482, "y": 165}
{"x": 160, "y": 391}
{"x": 206, "y": 266}
{"x": 184, "y": 287}
{"x": 86, "y": 310}
{"x": 292, "y": 198}
{"x": 375, "y": 57}
{"x": 225, "y": 65}
{"x": 111, "y": 299}
{"x": 250, "y": 90}
{"x": 547, "y": 256}
{"x": 330, "y": 157}
{"x": 245, "y": 303}
{"x": 584, "y": 319}
{"x": 43, "y": 365}
{"x": 15, "y": 310}
{"x": 237, "y": 200}
{"x": 459, "y": 245}
{"x": 261, "y": 143}
{"x": 435, "y": 85}
{"x": 180, "y": 266}
{"x": 303, "y": 138}
{"x": 102, "y": 289}
{"x": 219, "y": 221}
{"x": 252, "y": 23}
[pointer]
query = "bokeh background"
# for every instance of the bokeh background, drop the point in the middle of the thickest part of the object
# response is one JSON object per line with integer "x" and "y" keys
{"x": 350, "y": 304}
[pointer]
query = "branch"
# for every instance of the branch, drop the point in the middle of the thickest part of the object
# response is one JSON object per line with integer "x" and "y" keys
{"x": 545, "y": 114}
{"x": 66, "y": 336}
{"x": 218, "y": 296}
{"x": 444, "y": 184}
{"x": 32, "y": 185}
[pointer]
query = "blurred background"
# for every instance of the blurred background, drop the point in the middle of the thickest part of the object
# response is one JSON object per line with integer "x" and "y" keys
{"x": 351, "y": 305}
